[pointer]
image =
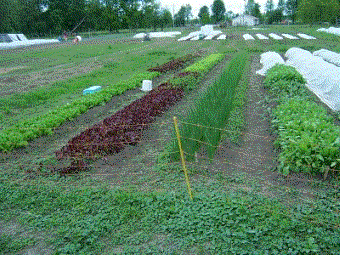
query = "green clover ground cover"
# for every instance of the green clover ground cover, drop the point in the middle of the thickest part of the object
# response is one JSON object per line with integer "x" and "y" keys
{"x": 92, "y": 220}
{"x": 307, "y": 136}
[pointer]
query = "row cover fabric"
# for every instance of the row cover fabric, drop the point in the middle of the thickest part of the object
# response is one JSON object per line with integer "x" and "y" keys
{"x": 290, "y": 36}
{"x": 262, "y": 37}
{"x": 323, "y": 78}
{"x": 248, "y": 37}
{"x": 17, "y": 44}
{"x": 308, "y": 37}
{"x": 189, "y": 36}
{"x": 268, "y": 60}
{"x": 275, "y": 36}
{"x": 329, "y": 56}
{"x": 222, "y": 37}
{"x": 157, "y": 34}
{"x": 331, "y": 30}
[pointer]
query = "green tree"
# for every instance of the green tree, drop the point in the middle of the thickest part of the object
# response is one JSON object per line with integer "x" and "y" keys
{"x": 250, "y": 7}
{"x": 183, "y": 15}
{"x": 256, "y": 11}
{"x": 281, "y": 5}
{"x": 269, "y": 6}
{"x": 204, "y": 15}
{"x": 311, "y": 11}
{"x": 218, "y": 11}
{"x": 166, "y": 18}
{"x": 291, "y": 7}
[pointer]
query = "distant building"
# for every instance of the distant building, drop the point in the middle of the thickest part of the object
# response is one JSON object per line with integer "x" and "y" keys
{"x": 245, "y": 20}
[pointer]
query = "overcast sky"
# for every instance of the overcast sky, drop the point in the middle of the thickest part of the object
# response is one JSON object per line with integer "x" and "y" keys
{"x": 236, "y": 6}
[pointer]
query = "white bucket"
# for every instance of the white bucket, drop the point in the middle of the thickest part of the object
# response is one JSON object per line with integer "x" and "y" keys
{"x": 147, "y": 85}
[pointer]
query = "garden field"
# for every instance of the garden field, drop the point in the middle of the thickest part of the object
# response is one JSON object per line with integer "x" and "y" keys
{"x": 102, "y": 173}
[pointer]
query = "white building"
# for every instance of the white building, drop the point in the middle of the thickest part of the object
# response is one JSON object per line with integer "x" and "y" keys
{"x": 245, "y": 20}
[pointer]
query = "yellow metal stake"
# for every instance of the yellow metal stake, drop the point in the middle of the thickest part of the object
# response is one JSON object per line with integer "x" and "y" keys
{"x": 182, "y": 158}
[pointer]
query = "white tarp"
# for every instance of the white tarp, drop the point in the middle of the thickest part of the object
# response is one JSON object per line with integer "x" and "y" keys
{"x": 308, "y": 37}
{"x": 331, "y": 30}
{"x": 195, "y": 38}
{"x": 222, "y": 37}
{"x": 157, "y": 34}
{"x": 275, "y": 36}
{"x": 189, "y": 36}
{"x": 323, "y": 78}
{"x": 248, "y": 37}
{"x": 268, "y": 60}
{"x": 329, "y": 56}
{"x": 211, "y": 35}
{"x": 262, "y": 37}
{"x": 17, "y": 44}
{"x": 290, "y": 36}
{"x": 22, "y": 37}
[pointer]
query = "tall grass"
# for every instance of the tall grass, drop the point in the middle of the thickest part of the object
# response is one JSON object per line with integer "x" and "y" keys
{"x": 212, "y": 109}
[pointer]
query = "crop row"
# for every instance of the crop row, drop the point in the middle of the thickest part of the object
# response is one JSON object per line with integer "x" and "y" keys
{"x": 173, "y": 64}
{"x": 308, "y": 139}
{"x": 211, "y": 109}
{"x": 123, "y": 128}
{"x": 19, "y": 134}
{"x": 191, "y": 75}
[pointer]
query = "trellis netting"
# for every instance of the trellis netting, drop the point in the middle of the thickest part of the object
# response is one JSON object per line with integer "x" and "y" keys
{"x": 248, "y": 37}
{"x": 308, "y": 37}
{"x": 323, "y": 78}
{"x": 268, "y": 60}
{"x": 275, "y": 36}
{"x": 329, "y": 56}
{"x": 290, "y": 36}
{"x": 262, "y": 37}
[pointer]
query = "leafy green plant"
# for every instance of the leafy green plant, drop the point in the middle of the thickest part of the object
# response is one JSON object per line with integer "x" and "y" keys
{"x": 282, "y": 72}
{"x": 205, "y": 64}
{"x": 309, "y": 140}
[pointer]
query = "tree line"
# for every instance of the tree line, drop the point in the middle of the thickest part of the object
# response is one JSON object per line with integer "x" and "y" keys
{"x": 44, "y": 17}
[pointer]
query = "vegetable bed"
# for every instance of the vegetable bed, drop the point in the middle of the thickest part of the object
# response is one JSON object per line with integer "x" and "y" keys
{"x": 212, "y": 109}
{"x": 123, "y": 128}
{"x": 173, "y": 64}
{"x": 307, "y": 136}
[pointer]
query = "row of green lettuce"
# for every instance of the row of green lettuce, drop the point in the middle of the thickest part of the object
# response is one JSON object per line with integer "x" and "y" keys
{"x": 308, "y": 138}
{"x": 211, "y": 109}
{"x": 21, "y": 133}
{"x": 190, "y": 77}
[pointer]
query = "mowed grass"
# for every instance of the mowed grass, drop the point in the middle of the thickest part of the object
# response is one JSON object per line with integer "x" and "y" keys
{"x": 79, "y": 215}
